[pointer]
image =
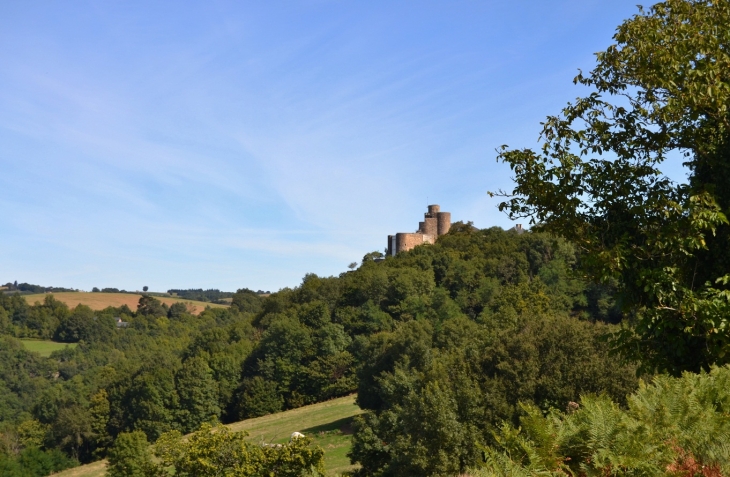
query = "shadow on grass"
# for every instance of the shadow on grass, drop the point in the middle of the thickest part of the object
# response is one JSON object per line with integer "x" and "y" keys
{"x": 343, "y": 425}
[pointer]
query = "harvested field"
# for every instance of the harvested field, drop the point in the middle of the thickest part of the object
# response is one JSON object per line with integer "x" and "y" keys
{"x": 99, "y": 301}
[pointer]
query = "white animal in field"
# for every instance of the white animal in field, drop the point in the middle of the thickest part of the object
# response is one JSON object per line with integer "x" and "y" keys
{"x": 296, "y": 435}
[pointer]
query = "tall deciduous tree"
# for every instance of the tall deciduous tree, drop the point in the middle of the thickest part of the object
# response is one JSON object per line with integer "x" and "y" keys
{"x": 198, "y": 394}
{"x": 150, "y": 402}
{"x": 662, "y": 91}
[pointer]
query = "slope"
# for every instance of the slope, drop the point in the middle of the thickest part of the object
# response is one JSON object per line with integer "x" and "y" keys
{"x": 327, "y": 423}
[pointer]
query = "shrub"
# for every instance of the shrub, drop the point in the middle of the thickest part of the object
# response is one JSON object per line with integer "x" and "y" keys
{"x": 214, "y": 451}
{"x": 130, "y": 456}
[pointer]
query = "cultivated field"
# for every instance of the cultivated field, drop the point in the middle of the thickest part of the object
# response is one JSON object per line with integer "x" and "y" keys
{"x": 99, "y": 301}
{"x": 327, "y": 423}
{"x": 45, "y": 347}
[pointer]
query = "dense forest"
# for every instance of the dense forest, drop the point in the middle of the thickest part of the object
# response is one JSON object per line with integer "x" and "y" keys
{"x": 496, "y": 317}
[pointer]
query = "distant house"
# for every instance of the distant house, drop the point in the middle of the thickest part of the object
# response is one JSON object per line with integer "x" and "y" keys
{"x": 120, "y": 323}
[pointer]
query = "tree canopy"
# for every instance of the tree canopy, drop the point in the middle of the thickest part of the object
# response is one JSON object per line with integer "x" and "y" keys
{"x": 661, "y": 92}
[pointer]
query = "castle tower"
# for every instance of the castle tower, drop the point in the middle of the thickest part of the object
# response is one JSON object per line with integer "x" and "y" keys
{"x": 431, "y": 226}
{"x": 435, "y": 223}
{"x": 431, "y": 221}
{"x": 444, "y": 222}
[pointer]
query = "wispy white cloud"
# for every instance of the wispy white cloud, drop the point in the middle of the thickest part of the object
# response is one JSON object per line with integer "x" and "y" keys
{"x": 236, "y": 145}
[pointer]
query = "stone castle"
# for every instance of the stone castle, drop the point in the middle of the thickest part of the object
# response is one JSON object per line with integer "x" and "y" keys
{"x": 435, "y": 223}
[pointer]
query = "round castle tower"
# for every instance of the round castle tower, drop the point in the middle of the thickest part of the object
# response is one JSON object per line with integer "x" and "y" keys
{"x": 435, "y": 223}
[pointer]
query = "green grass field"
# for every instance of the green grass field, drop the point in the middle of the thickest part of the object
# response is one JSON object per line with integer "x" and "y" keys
{"x": 45, "y": 347}
{"x": 327, "y": 423}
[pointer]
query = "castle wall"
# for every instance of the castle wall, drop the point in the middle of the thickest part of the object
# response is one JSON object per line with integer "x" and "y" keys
{"x": 405, "y": 241}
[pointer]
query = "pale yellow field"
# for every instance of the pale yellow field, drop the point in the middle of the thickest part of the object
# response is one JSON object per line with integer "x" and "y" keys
{"x": 99, "y": 301}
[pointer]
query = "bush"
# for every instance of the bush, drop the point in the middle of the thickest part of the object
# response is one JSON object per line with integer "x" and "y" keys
{"x": 33, "y": 462}
{"x": 214, "y": 451}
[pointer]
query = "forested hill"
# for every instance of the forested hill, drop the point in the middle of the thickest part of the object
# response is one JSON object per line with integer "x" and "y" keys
{"x": 472, "y": 325}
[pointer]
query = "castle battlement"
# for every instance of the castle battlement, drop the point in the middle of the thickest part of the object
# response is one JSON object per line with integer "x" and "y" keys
{"x": 435, "y": 223}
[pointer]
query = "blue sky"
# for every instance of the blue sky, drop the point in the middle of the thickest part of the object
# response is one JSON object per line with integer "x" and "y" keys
{"x": 244, "y": 144}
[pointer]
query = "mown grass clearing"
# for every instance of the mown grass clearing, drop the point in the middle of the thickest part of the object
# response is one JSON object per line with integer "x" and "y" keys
{"x": 95, "y": 469}
{"x": 45, "y": 347}
{"x": 99, "y": 301}
{"x": 327, "y": 423}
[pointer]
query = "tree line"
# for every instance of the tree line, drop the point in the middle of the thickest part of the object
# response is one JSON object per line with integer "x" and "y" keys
{"x": 491, "y": 303}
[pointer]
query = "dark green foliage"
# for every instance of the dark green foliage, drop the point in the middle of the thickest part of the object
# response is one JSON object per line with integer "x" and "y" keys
{"x": 438, "y": 393}
{"x": 151, "y": 306}
{"x": 39, "y": 321}
{"x": 5, "y": 324}
{"x": 315, "y": 314}
{"x": 148, "y": 403}
{"x": 177, "y": 310}
{"x": 71, "y": 431}
{"x": 28, "y": 288}
{"x": 83, "y": 324}
{"x": 247, "y": 301}
{"x": 22, "y": 378}
{"x": 369, "y": 257}
{"x": 211, "y": 295}
{"x": 33, "y": 462}
{"x": 258, "y": 397}
{"x": 130, "y": 456}
{"x": 198, "y": 394}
